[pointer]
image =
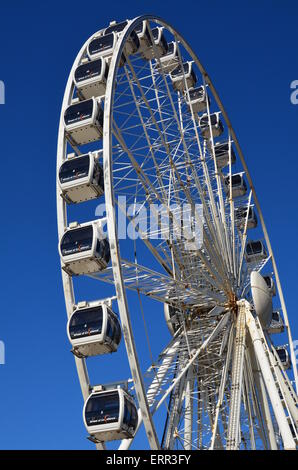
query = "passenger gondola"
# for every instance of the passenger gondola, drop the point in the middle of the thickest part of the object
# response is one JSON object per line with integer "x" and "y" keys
{"x": 255, "y": 251}
{"x": 83, "y": 248}
{"x": 271, "y": 284}
{"x": 170, "y": 60}
{"x": 183, "y": 77}
{"x": 143, "y": 34}
{"x": 93, "y": 329}
{"x": 90, "y": 78}
{"x": 284, "y": 357}
{"x": 81, "y": 178}
{"x": 246, "y": 220}
{"x": 239, "y": 187}
{"x": 110, "y": 415}
{"x": 103, "y": 46}
{"x": 115, "y": 27}
{"x": 83, "y": 121}
{"x": 132, "y": 43}
{"x": 277, "y": 324}
{"x": 222, "y": 154}
{"x": 197, "y": 99}
{"x": 160, "y": 45}
{"x": 216, "y": 127}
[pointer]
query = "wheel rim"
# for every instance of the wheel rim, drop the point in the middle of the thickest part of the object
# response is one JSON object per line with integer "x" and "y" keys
{"x": 221, "y": 254}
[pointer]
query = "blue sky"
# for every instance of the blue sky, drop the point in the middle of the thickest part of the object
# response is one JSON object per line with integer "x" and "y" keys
{"x": 250, "y": 52}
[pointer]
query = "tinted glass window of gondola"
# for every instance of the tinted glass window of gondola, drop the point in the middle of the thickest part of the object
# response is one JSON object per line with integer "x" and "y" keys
{"x": 86, "y": 323}
{"x": 88, "y": 70}
{"x": 101, "y": 44}
{"x": 74, "y": 169}
{"x": 241, "y": 212}
{"x": 255, "y": 247}
{"x": 196, "y": 93}
{"x": 139, "y": 28}
{"x": 179, "y": 70}
{"x": 77, "y": 240}
{"x": 275, "y": 316}
{"x": 102, "y": 409}
{"x": 130, "y": 415}
{"x": 164, "y": 43}
{"x": 155, "y": 33}
{"x": 79, "y": 111}
{"x": 170, "y": 48}
{"x": 134, "y": 417}
{"x": 103, "y": 249}
{"x": 116, "y": 27}
{"x": 117, "y": 335}
{"x": 236, "y": 180}
{"x": 282, "y": 354}
{"x": 267, "y": 279}
{"x": 115, "y": 332}
{"x": 110, "y": 328}
{"x": 205, "y": 120}
{"x": 221, "y": 149}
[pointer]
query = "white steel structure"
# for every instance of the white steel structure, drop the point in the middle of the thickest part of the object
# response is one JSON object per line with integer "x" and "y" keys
{"x": 217, "y": 380}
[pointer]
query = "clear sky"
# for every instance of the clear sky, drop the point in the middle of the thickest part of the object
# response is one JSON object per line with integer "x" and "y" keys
{"x": 249, "y": 49}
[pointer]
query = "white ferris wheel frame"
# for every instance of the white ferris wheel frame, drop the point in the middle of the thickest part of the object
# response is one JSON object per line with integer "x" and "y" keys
{"x": 144, "y": 411}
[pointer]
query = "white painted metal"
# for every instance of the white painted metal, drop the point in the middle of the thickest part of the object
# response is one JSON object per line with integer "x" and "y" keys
{"x": 237, "y": 378}
{"x": 224, "y": 272}
{"x": 263, "y": 401}
{"x": 155, "y": 386}
{"x": 188, "y": 411}
{"x": 272, "y": 390}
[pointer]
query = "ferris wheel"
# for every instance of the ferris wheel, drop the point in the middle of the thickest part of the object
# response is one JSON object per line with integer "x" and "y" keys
{"x": 157, "y": 210}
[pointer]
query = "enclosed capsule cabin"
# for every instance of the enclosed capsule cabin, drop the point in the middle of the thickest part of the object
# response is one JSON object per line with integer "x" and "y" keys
{"x": 183, "y": 77}
{"x": 110, "y": 415}
{"x": 222, "y": 152}
{"x": 115, "y": 27}
{"x": 90, "y": 78}
{"x": 132, "y": 43}
{"x": 81, "y": 178}
{"x": 196, "y": 98}
{"x": 160, "y": 46}
{"x": 170, "y": 60}
{"x": 284, "y": 357}
{"x": 239, "y": 186}
{"x": 83, "y": 121}
{"x": 215, "y": 128}
{"x": 143, "y": 34}
{"x": 93, "y": 329}
{"x": 271, "y": 284}
{"x": 103, "y": 46}
{"x": 83, "y": 248}
{"x": 255, "y": 251}
{"x": 246, "y": 217}
{"x": 277, "y": 324}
